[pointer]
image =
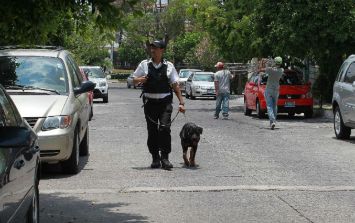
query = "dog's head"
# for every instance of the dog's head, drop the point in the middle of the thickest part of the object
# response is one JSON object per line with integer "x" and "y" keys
{"x": 191, "y": 132}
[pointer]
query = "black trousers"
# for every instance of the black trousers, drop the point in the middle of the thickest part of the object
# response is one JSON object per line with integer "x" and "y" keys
{"x": 159, "y": 138}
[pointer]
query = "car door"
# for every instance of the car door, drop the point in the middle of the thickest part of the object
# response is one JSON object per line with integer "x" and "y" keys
{"x": 249, "y": 91}
{"x": 17, "y": 163}
{"x": 347, "y": 93}
{"x": 83, "y": 99}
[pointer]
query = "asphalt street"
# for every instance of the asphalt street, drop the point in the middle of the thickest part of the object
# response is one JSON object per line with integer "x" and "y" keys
{"x": 246, "y": 172}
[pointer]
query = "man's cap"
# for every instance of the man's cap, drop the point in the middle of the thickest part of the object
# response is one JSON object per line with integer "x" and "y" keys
{"x": 219, "y": 65}
{"x": 158, "y": 44}
{"x": 278, "y": 60}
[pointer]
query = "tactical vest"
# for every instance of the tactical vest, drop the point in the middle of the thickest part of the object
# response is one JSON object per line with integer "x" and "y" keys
{"x": 157, "y": 80}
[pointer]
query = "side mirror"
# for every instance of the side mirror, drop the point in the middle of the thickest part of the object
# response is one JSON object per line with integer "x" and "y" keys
{"x": 16, "y": 137}
{"x": 86, "y": 86}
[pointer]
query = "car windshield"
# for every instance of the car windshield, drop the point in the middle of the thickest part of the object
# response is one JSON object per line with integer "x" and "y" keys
{"x": 288, "y": 78}
{"x": 184, "y": 74}
{"x": 203, "y": 77}
{"x": 33, "y": 72}
{"x": 94, "y": 72}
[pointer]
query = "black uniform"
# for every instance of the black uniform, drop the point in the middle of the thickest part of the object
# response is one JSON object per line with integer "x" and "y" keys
{"x": 158, "y": 111}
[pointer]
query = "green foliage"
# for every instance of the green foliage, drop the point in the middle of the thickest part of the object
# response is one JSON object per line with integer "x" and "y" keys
{"x": 181, "y": 50}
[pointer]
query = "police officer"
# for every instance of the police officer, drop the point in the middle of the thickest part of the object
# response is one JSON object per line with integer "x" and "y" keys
{"x": 159, "y": 79}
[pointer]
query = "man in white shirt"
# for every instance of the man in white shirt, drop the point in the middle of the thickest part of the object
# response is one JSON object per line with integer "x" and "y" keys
{"x": 159, "y": 78}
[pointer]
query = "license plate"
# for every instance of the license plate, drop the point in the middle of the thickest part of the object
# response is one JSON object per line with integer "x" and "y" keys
{"x": 210, "y": 91}
{"x": 289, "y": 104}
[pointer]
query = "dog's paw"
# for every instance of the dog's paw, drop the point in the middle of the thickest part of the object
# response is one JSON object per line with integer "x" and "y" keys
{"x": 192, "y": 163}
{"x": 186, "y": 161}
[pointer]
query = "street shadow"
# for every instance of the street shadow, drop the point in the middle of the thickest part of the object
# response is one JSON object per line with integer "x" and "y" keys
{"x": 351, "y": 140}
{"x": 55, "y": 171}
{"x": 58, "y": 208}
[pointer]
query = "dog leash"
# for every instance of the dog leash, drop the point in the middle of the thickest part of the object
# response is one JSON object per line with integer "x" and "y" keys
{"x": 168, "y": 124}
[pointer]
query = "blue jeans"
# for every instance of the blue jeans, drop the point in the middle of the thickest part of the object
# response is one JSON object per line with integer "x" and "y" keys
{"x": 222, "y": 100}
{"x": 271, "y": 97}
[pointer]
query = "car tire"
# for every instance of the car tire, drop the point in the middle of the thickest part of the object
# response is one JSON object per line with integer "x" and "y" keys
{"x": 33, "y": 211}
{"x": 247, "y": 111}
{"x": 308, "y": 113}
{"x": 84, "y": 145}
{"x": 341, "y": 131}
{"x": 71, "y": 166}
{"x": 105, "y": 98}
{"x": 259, "y": 112}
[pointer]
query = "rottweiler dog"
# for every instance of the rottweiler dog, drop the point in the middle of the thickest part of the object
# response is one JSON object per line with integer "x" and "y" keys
{"x": 190, "y": 136}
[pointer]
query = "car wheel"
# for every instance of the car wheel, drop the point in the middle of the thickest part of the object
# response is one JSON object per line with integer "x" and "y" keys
{"x": 308, "y": 113}
{"x": 33, "y": 211}
{"x": 247, "y": 111}
{"x": 71, "y": 166}
{"x": 84, "y": 145}
{"x": 341, "y": 131}
{"x": 105, "y": 98}
{"x": 259, "y": 112}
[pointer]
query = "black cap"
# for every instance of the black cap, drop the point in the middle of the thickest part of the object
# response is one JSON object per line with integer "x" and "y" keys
{"x": 158, "y": 44}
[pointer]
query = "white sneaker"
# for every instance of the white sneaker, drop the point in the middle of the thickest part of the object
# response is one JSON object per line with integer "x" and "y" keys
{"x": 273, "y": 126}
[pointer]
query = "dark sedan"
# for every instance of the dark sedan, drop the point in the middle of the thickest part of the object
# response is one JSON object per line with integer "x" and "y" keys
{"x": 19, "y": 165}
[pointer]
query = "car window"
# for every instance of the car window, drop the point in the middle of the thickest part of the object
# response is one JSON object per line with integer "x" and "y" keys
{"x": 33, "y": 72}
{"x": 203, "y": 77}
{"x": 184, "y": 74}
{"x": 291, "y": 78}
{"x": 8, "y": 116}
{"x": 76, "y": 69}
{"x": 350, "y": 74}
{"x": 74, "y": 78}
{"x": 341, "y": 71}
{"x": 94, "y": 72}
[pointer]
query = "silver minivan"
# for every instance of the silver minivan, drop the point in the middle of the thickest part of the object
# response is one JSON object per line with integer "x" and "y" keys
{"x": 344, "y": 99}
{"x": 49, "y": 92}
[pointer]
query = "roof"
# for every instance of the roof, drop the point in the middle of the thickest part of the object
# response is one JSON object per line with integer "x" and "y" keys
{"x": 30, "y": 52}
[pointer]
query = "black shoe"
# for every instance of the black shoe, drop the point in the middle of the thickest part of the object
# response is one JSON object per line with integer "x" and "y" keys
{"x": 166, "y": 164}
{"x": 155, "y": 164}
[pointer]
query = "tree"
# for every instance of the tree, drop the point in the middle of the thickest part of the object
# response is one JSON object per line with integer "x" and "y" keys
{"x": 320, "y": 30}
{"x": 33, "y": 22}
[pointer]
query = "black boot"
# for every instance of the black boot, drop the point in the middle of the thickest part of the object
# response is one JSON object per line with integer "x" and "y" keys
{"x": 165, "y": 162}
{"x": 156, "y": 162}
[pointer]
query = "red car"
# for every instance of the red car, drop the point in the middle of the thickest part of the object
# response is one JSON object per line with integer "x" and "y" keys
{"x": 295, "y": 96}
{"x": 90, "y": 94}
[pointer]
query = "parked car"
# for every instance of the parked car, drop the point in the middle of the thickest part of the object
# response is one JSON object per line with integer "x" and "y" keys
{"x": 48, "y": 89}
{"x": 183, "y": 76}
{"x": 90, "y": 94}
{"x": 19, "y": 165}
{"x": 295, "y": 95}
{"x": 97, "y": 75}
{"x": 200, "y": 84}
{"x": 344, "y": 99}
